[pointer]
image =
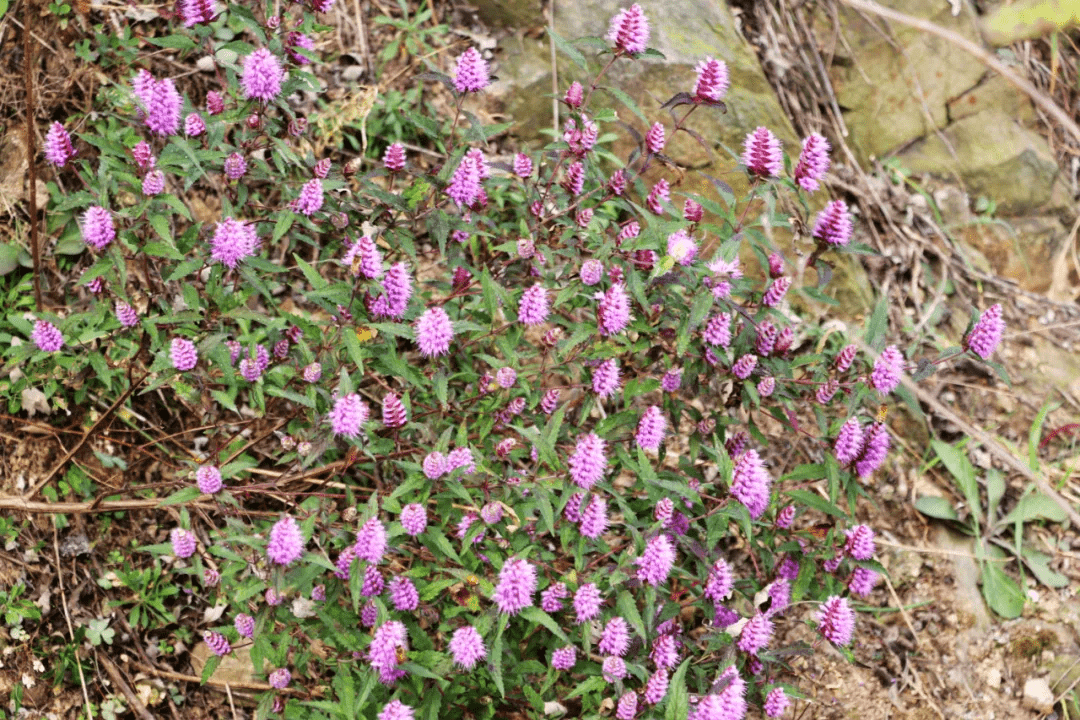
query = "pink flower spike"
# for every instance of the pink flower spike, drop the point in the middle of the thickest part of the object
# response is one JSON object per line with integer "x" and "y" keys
{"x": 472, "y": 72}
{"x": 651, "y": 428}
{"x": 413, "y": 519}
{"x": 655, "y": 139}
{"x": 46, "y": 336}
{"x": 183, "y": 354}
{"x": 194, "y": 125}
{"x": 262, "y": 76}
{"x": 348, "y": 415}
{"x": 574, "y": 95}
{"x": 517, "y": 583}
{"x": 849, "y": 442}
{"x": 208, "y": 478}
{"x": 310, "y": 199}
{"x": 874, "y": 451}
{"x": 712, "y": 81}
{"x": 286, "y": 542}
{"x": 467, "y": 647}
{"x": 658, "y": 195}
{"x": 836, "y": 620}
{"x": 588, "y": 463}
{"x": 629, "y": 30}
{"x": 776, "y": 291}
{"x": 233, "y": 241}
{"x": 986, "y": 335}
{"x": 564, "y": 658}
{"x": 751, "y": 483}
{"x": 394, "y": 157}
{"x": 395, "y": 710}
{"x": 58, "y": 148}
{"x": 197, "y": 12}
{"x": 887, "y": 370}
{"x": 776, "y": 703}
{"x": 163, "y": 108}
{"x": 613, "y": 312}
{"x": 762, "y": 153}
{"x": 605, "y": 379}
{"x": 656, "y": 560}
{"x": 183, "y": 542}
{"x": 434, "y": 331}
{"x": 97, "y": 227}
{"x": 587, "y": 601}
{"x": 834, "y": 225}
{"x": 393, "y": 411}
{"x": 813, "y": 162}
{"x": 523, "y": 165}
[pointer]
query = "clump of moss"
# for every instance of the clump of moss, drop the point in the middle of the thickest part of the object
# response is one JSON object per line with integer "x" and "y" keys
{"x": 1031, "y": 646}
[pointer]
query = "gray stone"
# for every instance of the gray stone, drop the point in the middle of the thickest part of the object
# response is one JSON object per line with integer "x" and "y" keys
{"x": 893, "y": 94}
{"x": 514, "y": 14}
{"x": 994, "y": 156}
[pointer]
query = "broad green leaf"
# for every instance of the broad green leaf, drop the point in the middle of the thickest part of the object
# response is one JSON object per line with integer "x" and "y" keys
{"x": 962, "y": 471}
{"x": 936, "y": 507}
{"x": 569, "y": 50}
{"x": 1001, "y": 592}
{"x": 627, "y": 607}
{"x": 1032, "y": 507}
{"x": 1039, "y": 564}
{"x": 536, "y": 615}
{"x": 183, "y": 495}
{"x": 678, "y": 703}
{"x": 816, "y": 502}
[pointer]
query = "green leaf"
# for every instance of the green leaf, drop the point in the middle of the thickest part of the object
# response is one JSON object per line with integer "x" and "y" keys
{"x": 569, "y": 50}
{"x": 589, "y": 685}
{"x": 181, "y": 496}
{"x": 628, "y": 102}
{"x": 1032, "y": 507}
{"x": 162, "y": 249}
{"x": 536, "y": 615}
{"x": 936, "y": 507}
{"x": 816, "y": 502}
{"x": 678, "y": 704}
{"x": 496, "y": 655}
{"x": 211, "y": 665}
{"x": 875, "y": 327}
{"x": 284, "y": 222}
{"x": 627, "y": 607}
{"x": 9, "y": 254}
{"x": 962, "y": 471}
{"x": 1035, "y": 434}
{"x": 1039, "y": 564}
{"x": 1001, "y": 592}
{"x": 176, "y": 42}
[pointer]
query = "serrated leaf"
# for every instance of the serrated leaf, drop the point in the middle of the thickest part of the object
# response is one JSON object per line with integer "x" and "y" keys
{"x": 627, "y": 607}
{"x": 569, "y": 50}
{"x": 678, "y": 704}
{"x": 536, "y": 615}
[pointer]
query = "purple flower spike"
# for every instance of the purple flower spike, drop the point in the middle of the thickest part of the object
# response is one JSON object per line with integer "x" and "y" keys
{"x": 183, "y": 354}
{"x": 245, "y": 625}
{"x": 762, "y": 155}
{"x": 744, "y": 366}
{"x": 614, "y": 310}
{"x": 286, "y": 542}
{"x": 467, "y": 647}
{"x": 986, "y": 335}
{"x": 594, "y": 520}
{"x": 472, "y": 72}
{"x": 875, "y": 450}
{"x": 310, "y": 199}
{"x": 863, "y": 581}
{"x": 751, "y": 483}
{"x": 605, "y": 379}
{"x": 720, "y": 582}
{"x": 651, "y": 428}
{"x": 394, "y": 414}
{"x": 413, "y": 519}
{"x": 434, "y": 332}
{"x": 629, "y": 30}
{"x": 658, "y": 195}
{"x": 712, "y": 81}
{"x": 655, "y": 139}
{"x": 627, "y": 706}
{"x": 718, "y": 330}
{"x": 97, "y": 227}
{"x": 756, "y": 634}
{"x": 845, "y": 357}
{"x": 575, "y": 95}
{"x": 348, "y": 415}
{"x": 183, "y": 542}
{"x": 163, "y": 108}
{"x": 403, "y": 594}
{"x": 233, "y": 241}
{"x": 615, "y": 639}
{"x": 396, "y": 710}
{"x": 836, "y": 620}
{"x": 728, "y": 704}
{"x": 813, "y": 162}
{"x": 523, "y": 165}
{"x": 435, "y": 465}
{"x": 849, "y": 442}
{"x": 776, "y": 291}
{"x": 833, "y": 225}
{"x": 860, "y": 542}
{"x": 887, "y": 370}
{"x": 394, "y": 157}
{"x": 208, "y": 478}
{"x": 218, "y": 643}
{"x": 126, "y": 314}
{"x": 533, "y": 308}
{"x": 386, "y": 641}
{"x": 517, "y": 583}
{"x": 681, "y": 247}
{"x": 46, "y": 336}
{"x": 564, "y": 658}
{"x": 776, "y": 703}
{"x": 371, "y": 541}
{"x": 588, "y": 463}
{"x": 197, "y": 12}
{"x": 280, "y": 678}
{"x": 587, "y": 601}
{"x": 235, "y": 166}
{"x": 656, "y": 687}
{"x": 672, "y": 380}
{"x": 262, "y": 76}
{"x": 656, "y": 560}
{"x": 58, "y": 148}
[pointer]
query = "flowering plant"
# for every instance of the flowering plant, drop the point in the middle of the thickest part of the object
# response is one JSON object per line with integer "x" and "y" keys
{"x": 516, "y": 427}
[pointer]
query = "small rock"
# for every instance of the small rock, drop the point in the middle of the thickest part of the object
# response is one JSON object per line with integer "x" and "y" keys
{"x": 205, "y": 64}
{"x": 1037, "y": 695}
{"x": 993, "y": 679}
